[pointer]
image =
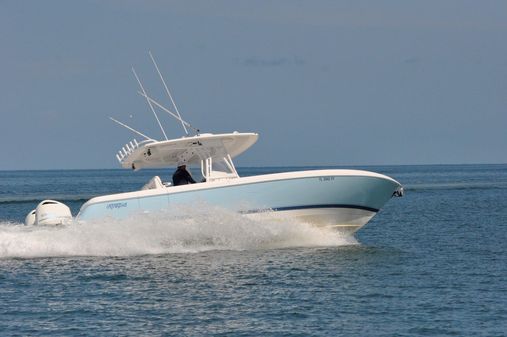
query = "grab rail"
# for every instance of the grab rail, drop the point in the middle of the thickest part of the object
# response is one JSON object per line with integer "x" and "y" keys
{"x": 130, "y": 147}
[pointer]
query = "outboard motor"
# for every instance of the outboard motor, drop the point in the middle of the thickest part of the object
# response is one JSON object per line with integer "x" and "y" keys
{"x": 30, "y": 218}
{"x": 49, "y": 212}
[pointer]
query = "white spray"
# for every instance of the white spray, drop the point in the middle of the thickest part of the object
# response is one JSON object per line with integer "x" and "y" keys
{"x": 181, "y": 230}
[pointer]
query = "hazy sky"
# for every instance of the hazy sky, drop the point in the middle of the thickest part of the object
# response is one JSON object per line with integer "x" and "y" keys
{"x": 322, "y": 82}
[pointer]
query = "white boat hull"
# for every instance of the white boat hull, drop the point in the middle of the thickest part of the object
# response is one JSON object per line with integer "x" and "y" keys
{"x": 341, "y": 199}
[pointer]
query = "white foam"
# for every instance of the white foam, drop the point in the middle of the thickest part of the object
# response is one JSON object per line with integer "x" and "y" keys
{"x": 181, "y": 230}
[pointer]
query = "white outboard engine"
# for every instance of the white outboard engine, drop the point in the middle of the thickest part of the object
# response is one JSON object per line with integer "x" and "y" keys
{"x": 30, "y": 218}
{"x": 49, "y": 212}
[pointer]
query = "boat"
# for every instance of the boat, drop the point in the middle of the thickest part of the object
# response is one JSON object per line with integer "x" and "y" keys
{"x": 343, "y": 200}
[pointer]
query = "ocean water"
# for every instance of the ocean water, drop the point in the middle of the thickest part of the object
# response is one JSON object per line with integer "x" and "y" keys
{"x": 433, "y": 263}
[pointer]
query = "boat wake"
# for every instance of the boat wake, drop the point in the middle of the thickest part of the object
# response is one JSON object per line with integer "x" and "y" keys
{"x": 181, "y": 230}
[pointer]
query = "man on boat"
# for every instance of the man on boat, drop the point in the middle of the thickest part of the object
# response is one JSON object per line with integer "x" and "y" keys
{"x": 182, "y": 176}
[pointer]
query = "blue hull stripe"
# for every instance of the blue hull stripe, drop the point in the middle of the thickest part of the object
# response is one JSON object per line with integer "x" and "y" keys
{"x": 290, "y": 208}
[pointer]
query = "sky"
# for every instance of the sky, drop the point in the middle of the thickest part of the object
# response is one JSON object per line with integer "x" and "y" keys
{"x": 322, "y": 82}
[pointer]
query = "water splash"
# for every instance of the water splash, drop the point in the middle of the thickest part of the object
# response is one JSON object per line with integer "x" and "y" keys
{"x": 181, "y": 230}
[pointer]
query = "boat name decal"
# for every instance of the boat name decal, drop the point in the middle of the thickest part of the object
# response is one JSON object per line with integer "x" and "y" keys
{"x": 326, "y": 178}
{"x": 116, "y": 205}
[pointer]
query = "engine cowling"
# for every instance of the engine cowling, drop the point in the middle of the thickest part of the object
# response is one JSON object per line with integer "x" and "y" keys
{"x": 30, "y": 218}
{"x": 49, "y": 212}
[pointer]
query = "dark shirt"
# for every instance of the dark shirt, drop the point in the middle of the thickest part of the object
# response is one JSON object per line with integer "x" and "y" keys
{"x": 182, "y": 177}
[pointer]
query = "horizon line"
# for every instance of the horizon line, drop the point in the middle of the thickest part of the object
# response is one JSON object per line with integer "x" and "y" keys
{"x": 246, "y": 167}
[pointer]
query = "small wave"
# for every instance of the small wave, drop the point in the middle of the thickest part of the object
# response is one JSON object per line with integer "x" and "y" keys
{"x": 455, "y": 186}
{"x": 37, "y": 199}
{"x": 181, "y": 230}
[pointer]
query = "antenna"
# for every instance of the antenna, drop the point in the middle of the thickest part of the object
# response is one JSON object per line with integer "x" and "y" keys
{"x": 168, "y": 92}
{"x": 149, "y": 103}
{"x": 151, "y": 100}
{"x": 131, "y": 129}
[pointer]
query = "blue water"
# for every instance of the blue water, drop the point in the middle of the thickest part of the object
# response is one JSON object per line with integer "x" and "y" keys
{"x": 432, "y": 263}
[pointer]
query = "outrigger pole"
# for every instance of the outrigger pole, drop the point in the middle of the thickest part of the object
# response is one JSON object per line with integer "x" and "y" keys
{"x": 131, "y": 129}
{"x": 149, "y": 103}
{"x": 152, "y": 101}
{"x": 168, "y": 93}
